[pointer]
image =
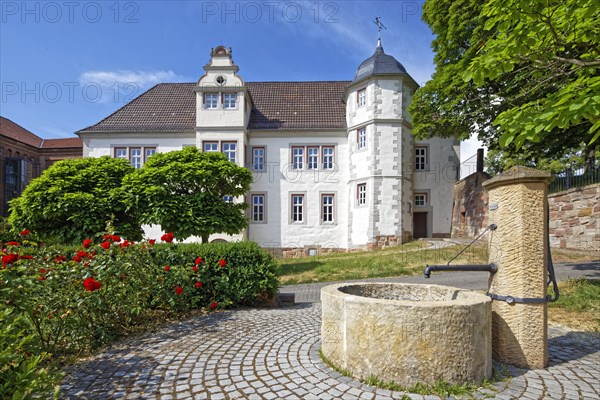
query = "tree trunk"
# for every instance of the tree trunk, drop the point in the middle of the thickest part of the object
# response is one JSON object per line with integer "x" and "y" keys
{"x": 205, "y": 237}
{"x": 590, "y": 158}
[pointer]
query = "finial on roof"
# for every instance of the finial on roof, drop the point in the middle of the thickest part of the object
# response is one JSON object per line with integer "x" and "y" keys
{"x": 380, "y": 26}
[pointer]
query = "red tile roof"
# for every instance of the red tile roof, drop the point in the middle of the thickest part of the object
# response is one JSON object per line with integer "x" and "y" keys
{"x": 17, "y": 132}
{"x": 171, "y": 107}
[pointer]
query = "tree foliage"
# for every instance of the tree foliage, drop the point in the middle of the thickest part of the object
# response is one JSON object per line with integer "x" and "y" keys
{"x": 75, "y": 199}
{"x": 183, "y": 191}
{"x": 516, "y": 73}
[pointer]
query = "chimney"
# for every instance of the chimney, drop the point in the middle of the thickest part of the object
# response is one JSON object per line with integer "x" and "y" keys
{"x": 479, "y": 160}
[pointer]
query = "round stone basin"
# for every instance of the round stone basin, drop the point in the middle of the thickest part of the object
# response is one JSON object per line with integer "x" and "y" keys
{"x": 408, "y": 333}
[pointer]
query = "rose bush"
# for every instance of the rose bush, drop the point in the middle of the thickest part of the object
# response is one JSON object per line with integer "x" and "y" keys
{"x": 75, "y": 299}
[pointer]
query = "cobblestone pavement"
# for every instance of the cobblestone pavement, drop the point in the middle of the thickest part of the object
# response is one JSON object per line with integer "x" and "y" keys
{"x": 273, "y": 354}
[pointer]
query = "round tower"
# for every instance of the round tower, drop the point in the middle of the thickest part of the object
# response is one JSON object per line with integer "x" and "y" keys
{"x": 380, "y": 152}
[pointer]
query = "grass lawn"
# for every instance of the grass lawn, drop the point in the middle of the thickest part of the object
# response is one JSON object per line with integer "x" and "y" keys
{"x": 578, "y": 306}
{"x": 407, "y": 259}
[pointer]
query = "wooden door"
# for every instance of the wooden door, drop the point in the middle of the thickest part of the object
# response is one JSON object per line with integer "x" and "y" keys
{"x": 419, "y": 225}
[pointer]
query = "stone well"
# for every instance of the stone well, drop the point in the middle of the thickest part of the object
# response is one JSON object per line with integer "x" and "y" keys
{"x": 408, "y": 333}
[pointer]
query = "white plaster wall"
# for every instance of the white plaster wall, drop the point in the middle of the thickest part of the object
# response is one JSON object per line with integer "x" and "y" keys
{"x": 444, "y": 156}
{"x": 98, "y": 145}
{"x": 279, "y": 181}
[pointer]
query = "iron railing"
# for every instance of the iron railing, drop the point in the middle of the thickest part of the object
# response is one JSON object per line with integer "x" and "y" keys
{"x": 574, "y": 177}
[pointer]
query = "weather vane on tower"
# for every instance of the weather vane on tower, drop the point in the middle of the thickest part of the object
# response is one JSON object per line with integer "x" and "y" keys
{"x": 380, "y": 26}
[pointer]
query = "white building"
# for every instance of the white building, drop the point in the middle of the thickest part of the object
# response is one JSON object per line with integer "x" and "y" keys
{"x": 334, "y": 162}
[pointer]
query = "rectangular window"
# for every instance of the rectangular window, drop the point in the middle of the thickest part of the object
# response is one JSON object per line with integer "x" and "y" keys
{"x": 361, "y": 194}
{"x": 361, "y": 97}
{"x": 135, "y": 154}
{"x": 420, "y": 158}
{"x": 313, "y": 157}
{"x": 210, "y": 146}
{"x": 297, "y": 208}
{"x": 258, "y": 207}
{"x": 361, "y": 138}
{"x": 420, "y": 199}
{"x": 148, "y": 152}
{"x": 327, "y": 157}
{"x": 228, "y": 199}
{"x": 258, "y": 158}
{"x": 229, "y": 149}
{"x": 229, "y": 100}
{"x": 121, "y": 152}
{"x": 210, "y": 100}
{"x": 297, "y": 157}
{"x": 327, "y": 208}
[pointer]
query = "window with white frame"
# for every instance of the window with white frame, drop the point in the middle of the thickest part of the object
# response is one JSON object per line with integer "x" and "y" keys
{"x": 229, "y": 149}
{"x": 209, "y": 147}
{"x": 229, "y": 100}
{"x": 228, "y": 199}
{"x": 297, "y": 157}
{"x": 148, "y": 152}
{"x": 420, "y": 199}
{"x": 313, "y": 157}
{"x": 258, "y": 208}
{"x": 210, "y": 100}
{"x": 328, "y": 157}
{"x": 121, "y": 152}
{"x": 327, "y": 204}
{"x": 361, "y": 97}
{"x": 297, "y": 208}
{"x": 135, "y": 157}
{"x": 361, "y": 194}
{"x": 361, "y": 138}
{"x": 258, "y": 158}
{"x": 420, "y": 158}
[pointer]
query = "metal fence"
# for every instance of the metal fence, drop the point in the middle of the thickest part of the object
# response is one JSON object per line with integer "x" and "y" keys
{"x": 574, "y": 177}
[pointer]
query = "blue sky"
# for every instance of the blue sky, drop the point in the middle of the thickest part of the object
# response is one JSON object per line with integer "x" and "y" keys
{"x": 67, "y": 64}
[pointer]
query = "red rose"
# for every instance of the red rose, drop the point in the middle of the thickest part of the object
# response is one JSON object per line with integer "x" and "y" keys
{"x": 195, "y": 269}
{"x": 116, "y": 238}
{"x": 105, "y": 245}
{"x": 213, "y": 305}
{"x": 87, "y": 243}
{"x": 90, "y": 284}
{"x": 77, "y": 259}
{"x": 13, "y": 243}
{"x": 167, "y": 268}
{"x": 105, "y": 237}
{"x": 43, "y": 271}
{"x": 26, "y": 257}
{"x": 25, "y": 232}
{"x": 123, "y": 276}
{"x": 60, "y": 259}
{"x": 152, "y": 241}
{"x": 222, "y": 263}
{"x": 199, "y": 260}
{"x": 167, "y": 237}
{"x": 178, "y": 290}
{"x": 42, "y": 277}
{"x": 198, "y": 285}
{"x": 10, "y": 259}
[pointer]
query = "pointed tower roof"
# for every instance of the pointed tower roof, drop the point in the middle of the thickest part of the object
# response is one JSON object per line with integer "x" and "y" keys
{"x": 378, "y": 64}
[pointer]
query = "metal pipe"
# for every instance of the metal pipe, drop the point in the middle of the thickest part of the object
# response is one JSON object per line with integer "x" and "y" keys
{"x": 460, "y": 267}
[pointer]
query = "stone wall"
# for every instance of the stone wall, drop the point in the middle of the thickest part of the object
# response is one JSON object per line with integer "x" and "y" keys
{"x": 470, "y": 211}
{"x": 575, "y": 219}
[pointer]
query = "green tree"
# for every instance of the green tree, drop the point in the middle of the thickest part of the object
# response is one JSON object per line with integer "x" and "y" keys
{"x": 76, "y": 199}
{"x": 498, "y": 80}
{"x": 183, "y": 191}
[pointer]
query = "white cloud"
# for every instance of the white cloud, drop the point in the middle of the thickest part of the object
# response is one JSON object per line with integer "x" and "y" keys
{"x": 122, "y": 86}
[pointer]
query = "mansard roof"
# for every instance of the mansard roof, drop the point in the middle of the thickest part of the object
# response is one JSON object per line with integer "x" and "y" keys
{"x": 379, "y": 64}
{"x": 171, "y": 107}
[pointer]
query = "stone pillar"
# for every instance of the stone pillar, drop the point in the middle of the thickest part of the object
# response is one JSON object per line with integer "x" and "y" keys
{"x": 518, "y": 247}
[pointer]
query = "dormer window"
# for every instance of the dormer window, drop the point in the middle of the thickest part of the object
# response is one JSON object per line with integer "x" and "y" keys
{"x": 210, "y": 100}
{"x": 229, "y": 100}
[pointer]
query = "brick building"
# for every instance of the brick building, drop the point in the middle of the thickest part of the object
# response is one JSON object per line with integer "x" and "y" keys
{"x": 24, "y": 155}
